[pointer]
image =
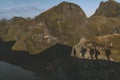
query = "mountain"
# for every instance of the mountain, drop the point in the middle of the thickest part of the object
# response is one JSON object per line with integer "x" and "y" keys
{"x": 51, "y": 37}
{"x": 99, "y": 25}
{"x": 13, "y": 29}
{"x": 109, "y": 8}
{"x": 63, "y": 23}
{"x": 106, "y": 19}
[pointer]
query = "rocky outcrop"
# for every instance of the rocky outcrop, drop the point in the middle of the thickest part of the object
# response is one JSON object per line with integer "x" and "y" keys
{"x": 101, "y": 43}
{"x": 76, "y": 48}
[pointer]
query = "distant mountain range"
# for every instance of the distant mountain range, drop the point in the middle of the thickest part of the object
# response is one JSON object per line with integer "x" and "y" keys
{"x": 65, "y": 23}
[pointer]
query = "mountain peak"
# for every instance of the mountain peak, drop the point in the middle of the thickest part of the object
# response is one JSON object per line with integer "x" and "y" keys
{"x": 69, "y": 6}
{"x": 110, "y": 8}
{"x": 66, "y": 3}
{"x": 111, "y": 0}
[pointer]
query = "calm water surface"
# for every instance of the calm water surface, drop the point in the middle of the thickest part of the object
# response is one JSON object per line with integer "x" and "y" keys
{"x": 12, "y": 72}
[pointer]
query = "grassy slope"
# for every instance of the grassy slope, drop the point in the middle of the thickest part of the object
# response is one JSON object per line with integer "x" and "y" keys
{"x": 106, "y": 41}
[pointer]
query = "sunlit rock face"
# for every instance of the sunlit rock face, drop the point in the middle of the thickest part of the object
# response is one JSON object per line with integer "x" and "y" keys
{"x": 109, "y": 42}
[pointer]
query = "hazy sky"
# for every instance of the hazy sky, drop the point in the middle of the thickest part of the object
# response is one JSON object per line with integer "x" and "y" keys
{"x": 31, "y": 8}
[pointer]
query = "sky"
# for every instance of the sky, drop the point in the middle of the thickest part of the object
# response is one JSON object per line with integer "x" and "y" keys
{"x": 32, "y": 8}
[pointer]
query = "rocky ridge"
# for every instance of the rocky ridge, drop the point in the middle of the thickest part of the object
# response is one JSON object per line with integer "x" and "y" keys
{"x": 65, "y": 23}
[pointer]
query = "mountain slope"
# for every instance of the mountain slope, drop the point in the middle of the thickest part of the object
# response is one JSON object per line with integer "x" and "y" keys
{"x": 99, "y": 25}
{"x": 106, "y": 19}
{"x": 109, "y": 8}
{"x": 111, "y": 41}
{"x": 63, "y": 23}
{"x": 14, "y": 28}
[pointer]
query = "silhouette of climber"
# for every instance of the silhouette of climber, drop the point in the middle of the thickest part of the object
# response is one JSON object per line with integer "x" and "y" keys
{"x": 91, "y": 52}
{"x": 96, "y": 53}
{"x": 83, "y": 51}
{"x": 107, "y": 53}
{"x": 74, "y": 52}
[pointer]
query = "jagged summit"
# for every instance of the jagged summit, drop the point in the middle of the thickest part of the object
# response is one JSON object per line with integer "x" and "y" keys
{"x": 111, "y": 0}
{"x": 68, "y": 4}
{"x": 65, "y": 3}
{"x": 63, "y": 8}
{"x": 110, "y": 8}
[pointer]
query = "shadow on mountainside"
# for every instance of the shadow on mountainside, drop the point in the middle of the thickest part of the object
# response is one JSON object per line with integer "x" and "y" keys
{"x": 21, "y": 57}
{"x": 56, "y": 63}
{"x": 83, "y": 69}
